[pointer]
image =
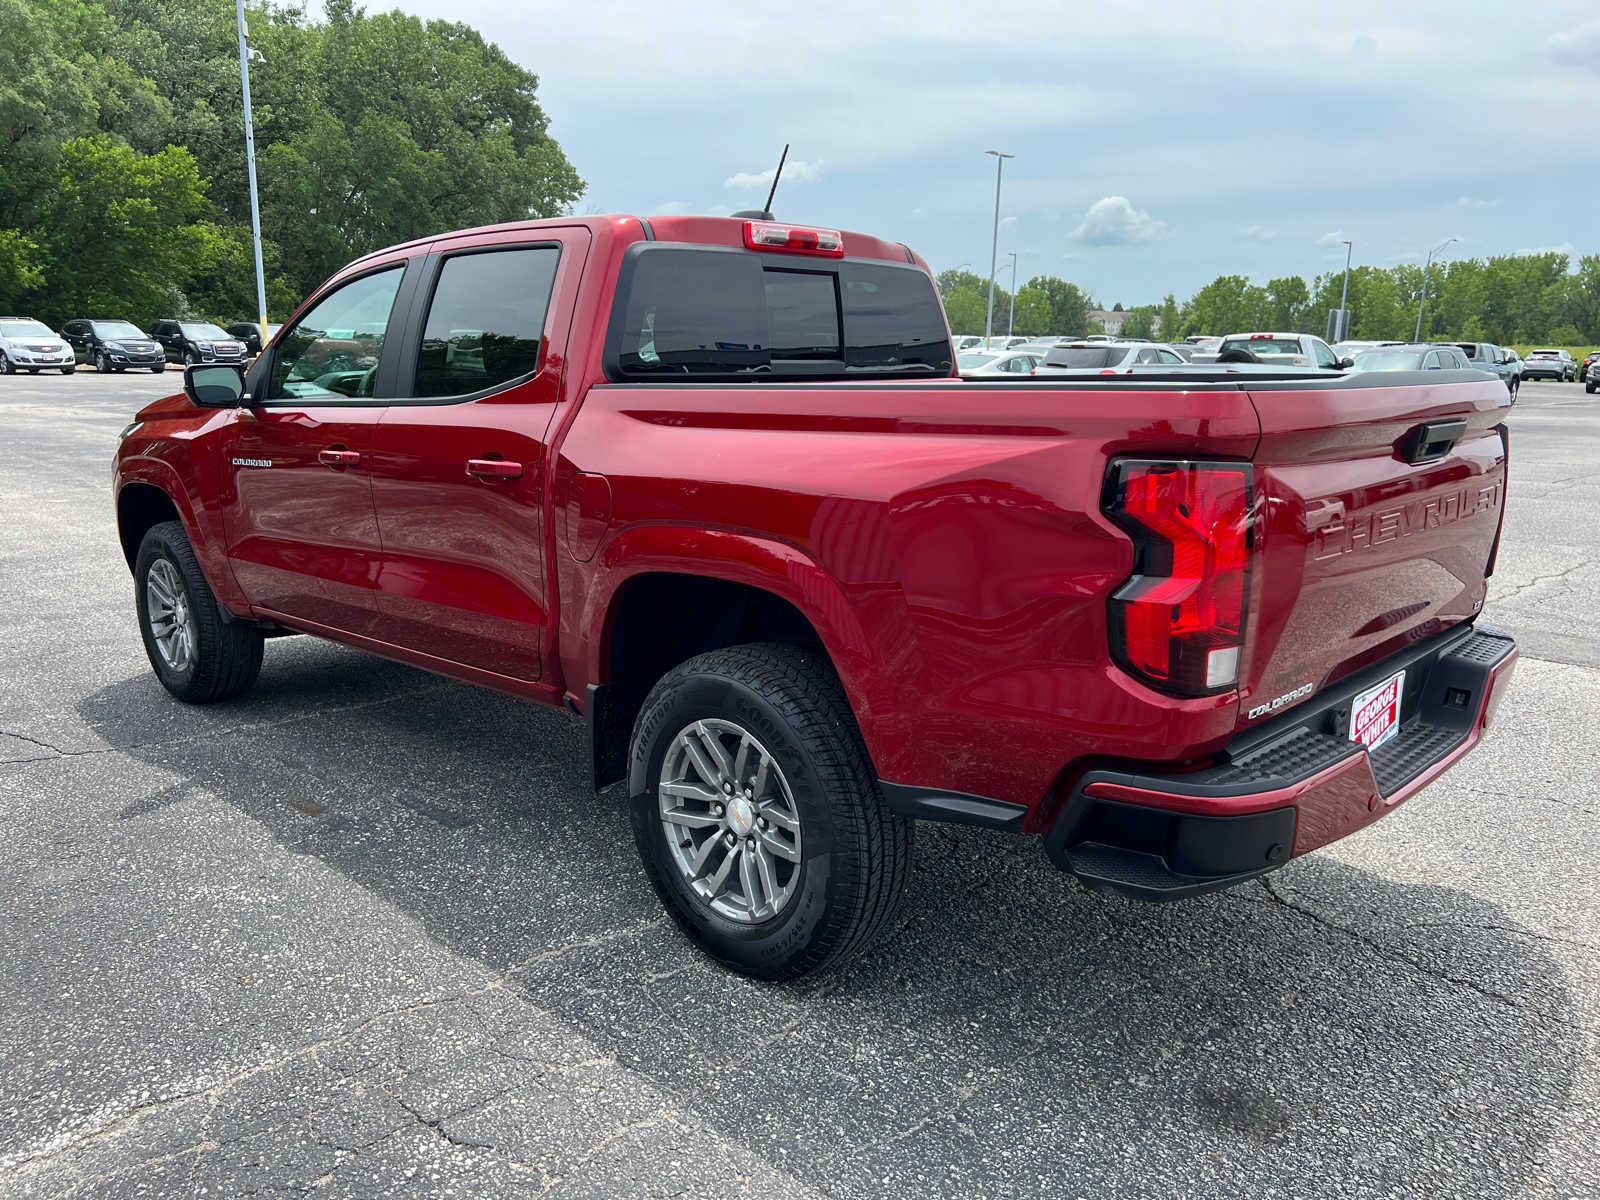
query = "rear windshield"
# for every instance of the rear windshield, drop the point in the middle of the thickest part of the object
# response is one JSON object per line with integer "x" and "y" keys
{"x": 1544, "y": 354}
{"x": 25, "y": 329}
{"x": 1084, "y": 357}
{"x": 706, "y": 311}
{"x": 1388, "y": 360}
{"x": 117, "y": 329}
{"x": 1264, "y": 347}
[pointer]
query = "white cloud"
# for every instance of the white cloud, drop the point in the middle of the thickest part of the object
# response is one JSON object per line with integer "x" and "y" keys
{"x": 1115, "y": 222}
{"x": 1330, "y": 239}
{"x": 1007, "y": 222}
{"x": 1072, "y": 254}
{"x": 1577, "y": 48}
{"x": 718, "y": 210}
{"x": 916, "y": 212}
{"x": 794, "y": 171}
{"x": 1563, "y": 248}
{"x": 1469, "y": 202}
{"x": 1364, "y": 45}
{"x": 671, "y": 208}
{"x": 1260, "y": 233}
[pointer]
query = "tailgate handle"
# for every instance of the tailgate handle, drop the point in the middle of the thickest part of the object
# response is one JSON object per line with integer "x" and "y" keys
{"x": 1433, "y": 440}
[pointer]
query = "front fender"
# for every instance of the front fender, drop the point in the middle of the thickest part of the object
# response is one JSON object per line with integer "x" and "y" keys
{"x": 202, "y": 523}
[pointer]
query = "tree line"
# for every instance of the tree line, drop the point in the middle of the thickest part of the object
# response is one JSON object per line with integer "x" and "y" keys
{"x": 123, "y": 189}
{"x": 1506, "y": 299}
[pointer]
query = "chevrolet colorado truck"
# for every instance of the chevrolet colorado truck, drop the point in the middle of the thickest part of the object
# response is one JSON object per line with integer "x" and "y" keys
{"x": 715, "y": 486}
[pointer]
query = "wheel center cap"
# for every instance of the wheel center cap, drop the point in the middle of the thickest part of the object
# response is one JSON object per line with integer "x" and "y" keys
{"x": 741, "y": 815}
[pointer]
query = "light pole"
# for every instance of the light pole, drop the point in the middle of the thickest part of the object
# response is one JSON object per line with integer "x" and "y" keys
{"x": 1344, "y": 296}
{"x": 994, "y": 249}
{"x": 1423, "y": 307}
{"x": 1011, "y": 313}
{"x": 250, "y": 159}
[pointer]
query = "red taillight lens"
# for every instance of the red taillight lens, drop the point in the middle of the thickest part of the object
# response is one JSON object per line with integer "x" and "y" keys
{"x": 799, "y": 239}
{"x": 1179, "y": 622}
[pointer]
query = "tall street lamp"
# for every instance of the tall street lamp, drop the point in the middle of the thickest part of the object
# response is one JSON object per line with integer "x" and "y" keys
{"x": 1344, "y": 296}
{"x": 1423, "y": 307}
{"x": 245, "y": 54}
{"x": 994, "y": 249}
{"x": 1011, "y": 313}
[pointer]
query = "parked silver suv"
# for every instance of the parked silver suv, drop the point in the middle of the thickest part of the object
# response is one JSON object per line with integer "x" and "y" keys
{"x": 32, "y": 346}
{"x": 1550, "y": 364}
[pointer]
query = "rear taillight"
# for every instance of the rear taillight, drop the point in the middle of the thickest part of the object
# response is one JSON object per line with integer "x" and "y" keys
{"x": 799, "y": 239}
{"x": 1179, "y": 622}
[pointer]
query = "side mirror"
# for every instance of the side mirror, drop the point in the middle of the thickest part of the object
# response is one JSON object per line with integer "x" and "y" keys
{"x": 1346, "y": 362}
{"x": 214, "y": 385}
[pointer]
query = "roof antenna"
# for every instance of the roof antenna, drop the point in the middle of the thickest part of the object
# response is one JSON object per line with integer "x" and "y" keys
{"x": 765, "y": 214}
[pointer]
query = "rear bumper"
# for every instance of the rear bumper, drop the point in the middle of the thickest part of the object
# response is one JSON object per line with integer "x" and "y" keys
{"x": 1286, "y": 787}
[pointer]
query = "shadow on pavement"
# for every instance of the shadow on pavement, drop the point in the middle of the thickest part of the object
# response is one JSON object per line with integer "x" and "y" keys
{"x": 1012, "y": 1033}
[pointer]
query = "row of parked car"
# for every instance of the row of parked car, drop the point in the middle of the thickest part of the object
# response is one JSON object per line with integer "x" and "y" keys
{"x": 1112, "y": 356}
{"x": 114, "y": 345}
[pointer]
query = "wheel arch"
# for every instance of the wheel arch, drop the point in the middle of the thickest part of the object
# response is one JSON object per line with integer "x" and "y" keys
{"x": 141, "y": 507}
{"x": 674, "y": 593}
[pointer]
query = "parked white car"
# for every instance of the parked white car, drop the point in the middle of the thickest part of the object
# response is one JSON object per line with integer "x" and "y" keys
{"x": 32, "y": 346}
{"x": 1001, "y": 364}
{"x": 1283, "y": 349}
{"x": 1087, "y": 358}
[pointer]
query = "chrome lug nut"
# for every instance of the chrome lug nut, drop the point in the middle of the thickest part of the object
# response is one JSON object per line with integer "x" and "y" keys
{"x": 732, "y": 838}
{"x": 717, "y": 809}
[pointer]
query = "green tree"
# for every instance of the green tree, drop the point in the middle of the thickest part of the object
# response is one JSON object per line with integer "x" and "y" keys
{"x": 1171, "y": 326}
{"x": 1230, "y": 304}
{"x": 1033, "y": 312}
{"x": 1141, "y": 322}
{"x": 1290, "y": 305}
{"x": 965, "y": 309}
{"x": 121, "y": 230}
{"x": 1069, "y": 306}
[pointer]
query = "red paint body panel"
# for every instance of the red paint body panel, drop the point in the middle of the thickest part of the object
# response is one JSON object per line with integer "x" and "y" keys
{"x": 944, "y": 538}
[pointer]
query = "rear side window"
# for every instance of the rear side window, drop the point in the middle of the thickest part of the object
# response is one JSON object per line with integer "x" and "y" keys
{"x": 486, "y": 321}
{"x": 706, "y": 312}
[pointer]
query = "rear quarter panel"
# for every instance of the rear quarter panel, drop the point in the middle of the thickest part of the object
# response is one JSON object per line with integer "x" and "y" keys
{"x": 945, "y": 539}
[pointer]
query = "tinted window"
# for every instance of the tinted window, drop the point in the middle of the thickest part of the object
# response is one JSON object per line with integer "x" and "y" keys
{"x": 802, "y": 314}
{"x": 893, "y": 320}
{"x": 332, "y": 353}
{"x": 485, "y": 321}
{"x": 1167, "y": 356}
{"x": 694, "y": 312}
{"x": 706, "y": 311}
{"x": 1265, "y": 348}
{"x": 1084, "y": 357}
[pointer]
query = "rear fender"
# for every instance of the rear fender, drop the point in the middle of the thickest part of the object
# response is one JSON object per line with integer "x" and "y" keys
{"x": 763, "y": 563}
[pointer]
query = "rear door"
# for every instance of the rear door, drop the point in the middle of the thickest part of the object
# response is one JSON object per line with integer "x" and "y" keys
{"x": 1378, "y": 507}
{"x": 296, "y": 469}
{"x": 459, "y": 461}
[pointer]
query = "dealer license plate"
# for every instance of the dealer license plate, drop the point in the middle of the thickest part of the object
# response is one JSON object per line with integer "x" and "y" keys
{"x": 1375, "y": 713}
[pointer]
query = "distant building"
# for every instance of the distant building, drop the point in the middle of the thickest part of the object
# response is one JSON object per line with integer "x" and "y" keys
{"x": 1112, "y": 322}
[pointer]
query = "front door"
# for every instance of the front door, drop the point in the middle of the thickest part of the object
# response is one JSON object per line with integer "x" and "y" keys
{"x": 460, "y": 455}
{"x": 297, "y": 470}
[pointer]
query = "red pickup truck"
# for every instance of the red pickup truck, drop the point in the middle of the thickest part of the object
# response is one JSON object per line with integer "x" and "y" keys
{"x": 712, "y": 484}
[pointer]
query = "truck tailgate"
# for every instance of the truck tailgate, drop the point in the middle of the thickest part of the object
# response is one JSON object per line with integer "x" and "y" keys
{"x": 1370, "y": 540}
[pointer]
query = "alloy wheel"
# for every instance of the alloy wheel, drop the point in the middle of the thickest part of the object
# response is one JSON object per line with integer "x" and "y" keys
{"x": 171, "y": 620}
{"x": 730, "y": 821}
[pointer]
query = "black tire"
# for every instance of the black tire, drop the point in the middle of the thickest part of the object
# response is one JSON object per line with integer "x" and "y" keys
{"x": 33, "y": 370}
{"x": 68, "y": 370}
{"x": 189, "y": 359}
{"x": 227, "y": 657}
{"x": 156, "y": 370}
{"x": 855, "y": 853}
{"x": 102, "y": 363}
{"x": 1589, "y": 387}
{"x": 7, "y": 367}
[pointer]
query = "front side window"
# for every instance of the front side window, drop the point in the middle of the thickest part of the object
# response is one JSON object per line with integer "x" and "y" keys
{"x": 332, "y": 353}
{"x": 1325, "y": 356}
{"x": 485, "y": 323}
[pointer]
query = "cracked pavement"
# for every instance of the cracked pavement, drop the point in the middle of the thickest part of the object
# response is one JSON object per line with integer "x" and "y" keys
{"x": 365, "y": 932}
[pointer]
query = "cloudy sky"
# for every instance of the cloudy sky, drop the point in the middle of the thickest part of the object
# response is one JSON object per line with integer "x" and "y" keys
{"x": 1157, "y": 145}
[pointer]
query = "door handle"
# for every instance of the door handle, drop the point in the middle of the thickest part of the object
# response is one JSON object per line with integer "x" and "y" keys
{"x": 339, "y": 458}
{"x": 494, "y": 468}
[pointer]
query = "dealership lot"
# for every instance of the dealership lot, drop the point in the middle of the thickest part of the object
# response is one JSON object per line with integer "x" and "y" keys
{"x": 368, "y": 929}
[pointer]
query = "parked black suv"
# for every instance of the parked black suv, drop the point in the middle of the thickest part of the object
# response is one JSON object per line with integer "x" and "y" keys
{"x": 249, "y": 333}
{"x": 112, "y": 345}
{"x": 197, "y": 342}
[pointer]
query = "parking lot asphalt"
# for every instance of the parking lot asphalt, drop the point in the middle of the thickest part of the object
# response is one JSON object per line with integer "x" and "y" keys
{"x": 367, "y": 932}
